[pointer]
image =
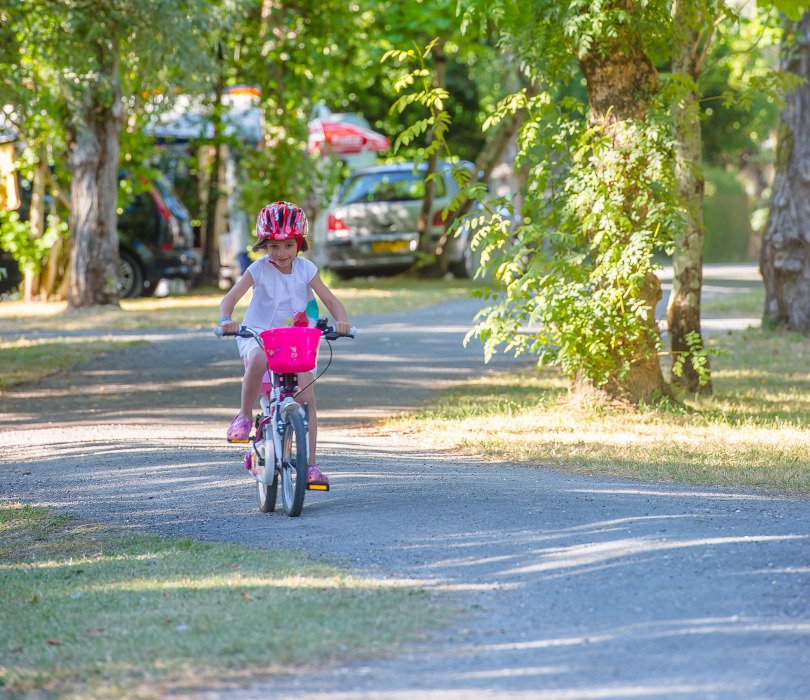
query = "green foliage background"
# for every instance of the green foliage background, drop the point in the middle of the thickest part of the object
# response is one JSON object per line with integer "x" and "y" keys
{"x": 727, "y": 218}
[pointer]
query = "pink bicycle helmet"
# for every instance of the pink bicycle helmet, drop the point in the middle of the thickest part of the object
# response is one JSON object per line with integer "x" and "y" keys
{"x": 282, "y": 220}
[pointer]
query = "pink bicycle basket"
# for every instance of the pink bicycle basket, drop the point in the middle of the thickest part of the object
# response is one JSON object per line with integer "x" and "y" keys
{"x": 293, "y": 349}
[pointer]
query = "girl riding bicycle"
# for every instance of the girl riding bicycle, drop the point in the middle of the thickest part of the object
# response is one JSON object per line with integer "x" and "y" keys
{"x": 284, "y": 289}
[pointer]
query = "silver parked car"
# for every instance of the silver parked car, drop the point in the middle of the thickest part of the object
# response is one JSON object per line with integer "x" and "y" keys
{"x": 372, "y": 225}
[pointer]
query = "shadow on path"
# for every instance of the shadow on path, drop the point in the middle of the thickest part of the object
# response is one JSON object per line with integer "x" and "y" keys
{"x": 567, "y": 586}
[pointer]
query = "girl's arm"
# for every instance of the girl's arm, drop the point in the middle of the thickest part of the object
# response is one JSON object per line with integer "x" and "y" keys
{"x": 332, "y": 303}
{"x": 229, "y": 301}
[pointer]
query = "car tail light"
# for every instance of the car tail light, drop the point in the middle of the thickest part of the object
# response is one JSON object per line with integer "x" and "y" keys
{"x": 337, "y": 226}
{"x": 440, "y": 218}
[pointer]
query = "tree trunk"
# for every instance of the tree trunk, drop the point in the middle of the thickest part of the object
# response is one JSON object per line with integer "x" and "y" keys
{"x": 273, "y": 29}
{"x": 683, "y": 310}
{"x": 93, "y": 163}
{"x": 36, "y": 220}
{"x": 785, "y": 256}
{"x": 209, "y": 232}
{"x": 620, "y": 79}
{"x": 424, "y": 224}
{"x": 210, "y": 243}
{"x": 55, "y": 269}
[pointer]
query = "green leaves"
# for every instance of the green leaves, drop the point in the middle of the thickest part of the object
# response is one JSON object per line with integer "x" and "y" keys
{"x": 30, "y": 253}
{"x": 398, "y": 54}
{"x": 425, "y": 94}
{"x": 412, "y": 132}
{"x": 508, "y": 106}
{"x": 571, "y": 275}
{"x": 697, "y": 355}
{"x": 792, "y": 9}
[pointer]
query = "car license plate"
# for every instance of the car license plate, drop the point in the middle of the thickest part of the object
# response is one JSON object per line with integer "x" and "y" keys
{"x": 390, "y": 246}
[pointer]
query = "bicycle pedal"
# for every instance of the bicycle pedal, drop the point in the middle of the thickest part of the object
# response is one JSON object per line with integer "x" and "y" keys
{"x": 317, "y": 487}
{"x": 238, "y": 442}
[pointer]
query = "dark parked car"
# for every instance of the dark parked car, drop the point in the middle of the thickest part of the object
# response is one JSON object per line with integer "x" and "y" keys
{"x": 10, "y": 275}
{"x": 372, "y": 226}
{"x": 155, "y": 241}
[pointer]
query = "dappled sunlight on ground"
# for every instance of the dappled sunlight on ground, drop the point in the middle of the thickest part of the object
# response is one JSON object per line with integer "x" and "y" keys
{"x": 576, "y": 692}
{"x": 657, "y": 630}
{"x": 175, "y": 479}
{"x": 44, "y": 392}
{"x": 555, "y": 575}
{"x": 693, "y": 448}
{"x": 566, "y": 428}
{"x": 585, "y": 555}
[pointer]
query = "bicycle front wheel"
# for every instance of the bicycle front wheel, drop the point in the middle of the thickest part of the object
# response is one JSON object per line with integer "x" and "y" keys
{"x": 294, "y": 465}
{"x": 267, "y": 492}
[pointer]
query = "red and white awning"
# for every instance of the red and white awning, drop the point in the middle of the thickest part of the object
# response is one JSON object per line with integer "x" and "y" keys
{"x": 344, "y": 138}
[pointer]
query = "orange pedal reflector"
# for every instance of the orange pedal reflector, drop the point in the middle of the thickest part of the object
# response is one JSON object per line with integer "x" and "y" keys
{"x": 238, "y": 441}
{"x": 317, "y": 487}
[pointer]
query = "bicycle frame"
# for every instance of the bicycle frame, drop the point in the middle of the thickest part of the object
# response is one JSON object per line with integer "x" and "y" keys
{"x": 278, "y": 393}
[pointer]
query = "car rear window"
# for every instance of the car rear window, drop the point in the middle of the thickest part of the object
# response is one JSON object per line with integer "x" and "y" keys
{"x": 140, "y": 220}
{"x": 401, "y": 186}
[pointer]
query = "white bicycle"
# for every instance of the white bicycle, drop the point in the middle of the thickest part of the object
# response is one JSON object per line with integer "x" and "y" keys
{"x": 280, "y": 441}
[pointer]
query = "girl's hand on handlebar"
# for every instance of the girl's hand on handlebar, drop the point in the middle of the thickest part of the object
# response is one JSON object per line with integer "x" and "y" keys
{"x": 229, "y": 326}
{"x": 343, "y": 327}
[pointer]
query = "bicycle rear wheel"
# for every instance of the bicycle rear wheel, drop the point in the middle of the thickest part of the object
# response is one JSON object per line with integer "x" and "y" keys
{"x": 268, "y": 493}
{"x": 294, "y": 465}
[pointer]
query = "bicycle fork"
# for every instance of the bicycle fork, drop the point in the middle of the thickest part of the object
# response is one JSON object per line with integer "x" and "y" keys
{"x": 278, "y": 419}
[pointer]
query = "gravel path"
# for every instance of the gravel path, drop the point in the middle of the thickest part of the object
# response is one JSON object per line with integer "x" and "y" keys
{"x": 568, "y": 586}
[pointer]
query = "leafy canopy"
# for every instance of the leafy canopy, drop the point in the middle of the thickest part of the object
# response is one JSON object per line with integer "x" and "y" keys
{"x": 601, "y": 197}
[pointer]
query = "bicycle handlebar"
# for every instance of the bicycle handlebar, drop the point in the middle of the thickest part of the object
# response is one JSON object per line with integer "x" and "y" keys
{"x": 243, "y": 332}
{"x": 328, "y": 332}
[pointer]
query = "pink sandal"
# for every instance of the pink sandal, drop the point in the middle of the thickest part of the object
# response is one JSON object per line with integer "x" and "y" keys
{"x": 239, "y": 429}
{"x": 316, "y": 479}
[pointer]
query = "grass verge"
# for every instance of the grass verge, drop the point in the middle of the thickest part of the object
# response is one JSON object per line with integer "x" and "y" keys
{"x": 99, "y": 612}
{"x": 754, "y": 430}
{"x": 743, "y": 304}
{"x": 31, "y": 360}
{"x": 200, "y": 309}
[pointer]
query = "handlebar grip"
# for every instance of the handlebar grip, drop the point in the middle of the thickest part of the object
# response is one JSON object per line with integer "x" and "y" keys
{"x": 329, "y": 333}
{"x": 241, "y": 333}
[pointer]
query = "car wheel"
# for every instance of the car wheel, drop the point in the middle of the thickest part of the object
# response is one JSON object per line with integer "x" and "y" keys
{"x": 130, "y": 276}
